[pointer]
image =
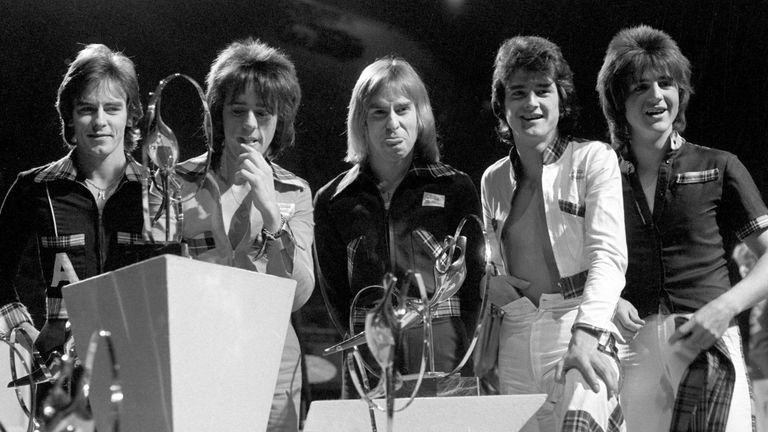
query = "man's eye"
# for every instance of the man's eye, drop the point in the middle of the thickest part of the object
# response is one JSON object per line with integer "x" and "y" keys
{"x": 666, "y": 82}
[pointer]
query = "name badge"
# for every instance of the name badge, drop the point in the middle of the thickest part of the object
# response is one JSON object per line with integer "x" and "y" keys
{"x": 433, "y": 200}
{"x": 287, "y": 209}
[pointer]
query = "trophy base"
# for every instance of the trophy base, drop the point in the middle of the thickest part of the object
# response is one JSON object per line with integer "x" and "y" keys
{"x": 439, "y": 385}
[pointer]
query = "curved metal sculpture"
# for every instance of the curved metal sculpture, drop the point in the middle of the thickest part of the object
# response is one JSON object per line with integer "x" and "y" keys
{"x": 161, "y": 155}
{"x": 383, "y": 331}
{"x": 450, "y": 272}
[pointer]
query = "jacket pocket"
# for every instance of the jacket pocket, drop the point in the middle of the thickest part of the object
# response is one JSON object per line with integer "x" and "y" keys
{"x": 576, "y": 209}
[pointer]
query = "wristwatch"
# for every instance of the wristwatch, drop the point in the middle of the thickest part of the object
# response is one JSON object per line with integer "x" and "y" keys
{"x": 274, "y": 235}
{"x": 606, "y": 342}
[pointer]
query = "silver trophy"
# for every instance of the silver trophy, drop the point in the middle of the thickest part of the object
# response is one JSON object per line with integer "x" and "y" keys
{"x": 383, "y": 331}
{"x": 161, "y": 156}
{"x": 449, "y": 270}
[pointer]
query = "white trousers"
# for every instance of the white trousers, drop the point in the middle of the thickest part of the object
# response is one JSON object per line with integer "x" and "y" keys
{"x": 532, "y": 341}
{"x": 652, "y": 371}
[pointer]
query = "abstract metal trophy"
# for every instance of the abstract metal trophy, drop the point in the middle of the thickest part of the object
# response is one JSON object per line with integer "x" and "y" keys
{"x": 383, "y": 332}
{"x": 160, "y": 156}
{"x": 386, "y": 321}
{"x": 450, "y": 270}
{"x": 65, "y": 407}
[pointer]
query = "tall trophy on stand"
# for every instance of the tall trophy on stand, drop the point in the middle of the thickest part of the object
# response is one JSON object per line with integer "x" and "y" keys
{"x": 161, "y": 154}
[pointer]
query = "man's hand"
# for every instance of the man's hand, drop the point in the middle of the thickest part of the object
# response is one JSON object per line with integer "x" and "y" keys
{"x": 255, "y": 170}
{"x": 705, "y": 326}
{"x": 52, "y": 336}
{"x": 594, "y": 365}
{"x": 627, "y": 320}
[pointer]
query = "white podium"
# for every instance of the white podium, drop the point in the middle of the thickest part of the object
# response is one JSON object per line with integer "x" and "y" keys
{"x": 442, "y": 414}
{"x": 198, "y": 344}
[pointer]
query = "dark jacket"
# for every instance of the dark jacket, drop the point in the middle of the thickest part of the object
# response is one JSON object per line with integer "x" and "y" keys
{"x": 358, "y": 240}
{"x": 51, "y": 210}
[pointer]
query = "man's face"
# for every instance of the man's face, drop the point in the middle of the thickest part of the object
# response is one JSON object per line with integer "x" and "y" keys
{"x": 391, "y": 126}
{"x": 531, "y": 107}
{"x": 652, "y": 105}
{"x": 247, "y": 120}
{"x": 99, "y": 119}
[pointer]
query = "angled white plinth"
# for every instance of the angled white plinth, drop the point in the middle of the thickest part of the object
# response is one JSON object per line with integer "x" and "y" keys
{"x": 198, "y": 344}
{"x": 444, "y": 414}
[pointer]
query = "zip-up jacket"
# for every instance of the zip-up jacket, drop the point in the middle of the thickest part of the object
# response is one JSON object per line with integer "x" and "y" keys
{"x": 358, "y": 240}
{"x": 50, "y": 207}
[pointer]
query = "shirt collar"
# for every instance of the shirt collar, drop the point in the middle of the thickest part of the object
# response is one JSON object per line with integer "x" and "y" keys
{"x": 550, "y": 155}
{"x": 65, "y": 169}
{"x": 627, "y": 161}
{"x": 418, "y": 168}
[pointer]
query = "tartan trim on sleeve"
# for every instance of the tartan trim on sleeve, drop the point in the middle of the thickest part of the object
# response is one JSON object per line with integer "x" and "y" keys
{"x": 575, "y": 209}
{"x": 55, "y": 308}
{"x": 62, "y": 242}
{"x": 127, "y": 238}
{"x": 12, "y": 315}
{"x": 698, "y": 176}
{"x": 752, "y": 227}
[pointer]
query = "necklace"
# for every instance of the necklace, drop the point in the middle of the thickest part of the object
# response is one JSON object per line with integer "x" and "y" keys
{"x": 101, "y": 193}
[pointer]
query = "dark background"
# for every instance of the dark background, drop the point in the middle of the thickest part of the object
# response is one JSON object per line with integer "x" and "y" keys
{"x": 451, "y": 43}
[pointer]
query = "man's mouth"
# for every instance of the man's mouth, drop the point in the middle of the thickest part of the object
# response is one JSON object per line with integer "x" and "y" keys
{"x": 655, "y": 111}
{"x": 532, "y": 117}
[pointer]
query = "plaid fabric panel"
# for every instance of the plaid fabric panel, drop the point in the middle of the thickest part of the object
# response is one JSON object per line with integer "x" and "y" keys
{"x": 126, "y": 238}
{"x": 201, "y": 244}
{"x": 582, "y": 421}
{"x": 55, "y": 308}
{"x": 433, "y": 169}
{"x": 752, "y": 227}
{"x": 448, "y": 308}
{"x": 12, "y": 315}
{"x": 698, "y": 176}
{"x": 429, "y": 240}
{"x": 63, "y": 168}
{"x": 573, "y": 286}
{"x": 62, "y": 242}
{"x": 572, "y": 208}
{"x": 704, "y": 396}
{"x": 553, "y": 152}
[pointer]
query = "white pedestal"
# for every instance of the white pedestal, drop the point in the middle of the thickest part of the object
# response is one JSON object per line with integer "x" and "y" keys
{"x": 445, "y": 414}
{"x": 198, "y": 344}
{"x": 11, "y": 415}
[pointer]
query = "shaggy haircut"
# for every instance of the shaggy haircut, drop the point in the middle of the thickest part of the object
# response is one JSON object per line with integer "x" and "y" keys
{"x": 250, "y": 62}
{"x": 538, "y": 55}
{"x": 633, "y": 52}
{"x": 391, "y": 72}
{"x": 97, "y": 66}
